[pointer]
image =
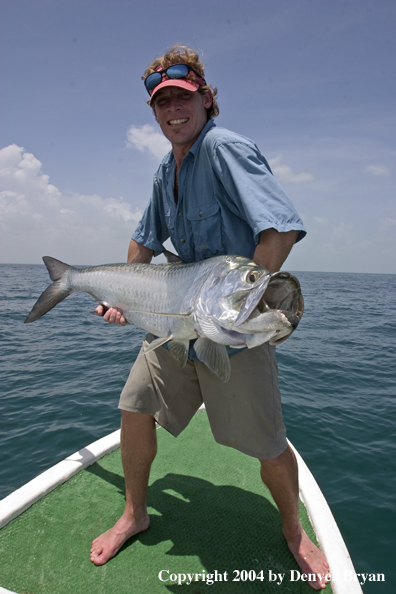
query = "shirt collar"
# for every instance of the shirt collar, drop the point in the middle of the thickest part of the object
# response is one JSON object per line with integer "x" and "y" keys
{"x": 168, "y": 160}
{"x": 197, "y": 144}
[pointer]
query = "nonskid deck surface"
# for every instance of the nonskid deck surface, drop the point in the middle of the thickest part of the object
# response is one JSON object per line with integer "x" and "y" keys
{"x": 210, "y": 514}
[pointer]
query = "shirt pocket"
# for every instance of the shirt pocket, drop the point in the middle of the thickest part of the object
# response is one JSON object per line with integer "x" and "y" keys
{"x": 207, "y": 230}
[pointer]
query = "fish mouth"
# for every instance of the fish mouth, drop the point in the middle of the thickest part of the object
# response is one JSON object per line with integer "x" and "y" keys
{"x": 293, "y": 320}
{"x": 283, "y": 293}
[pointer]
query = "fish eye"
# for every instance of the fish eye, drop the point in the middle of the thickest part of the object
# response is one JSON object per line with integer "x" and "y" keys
{"x": 252, "y": 276}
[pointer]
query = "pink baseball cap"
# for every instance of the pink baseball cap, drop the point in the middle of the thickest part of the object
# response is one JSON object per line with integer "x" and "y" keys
{"x": 192, "y": 83}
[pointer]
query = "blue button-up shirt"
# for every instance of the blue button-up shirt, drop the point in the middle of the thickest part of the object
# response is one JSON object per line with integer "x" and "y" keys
{"x": 227, "y": 195}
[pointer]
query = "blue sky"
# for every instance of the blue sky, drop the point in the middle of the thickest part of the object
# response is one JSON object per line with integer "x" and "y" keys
{"x": 312, "y": 82}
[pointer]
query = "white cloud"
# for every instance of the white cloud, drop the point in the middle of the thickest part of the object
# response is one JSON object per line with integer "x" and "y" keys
{"x": 322, "y": 221}
{"x": 333, "y": 244}
{"x": 378, "y": 170}
{"x": 284, "y": 173}
{"x": 37, "y": 219}
{"x": 342, "y": 232}
{"x": 21, "y": 172}
{"x": 147, "y": 139}
{"x": 387, "y": 224}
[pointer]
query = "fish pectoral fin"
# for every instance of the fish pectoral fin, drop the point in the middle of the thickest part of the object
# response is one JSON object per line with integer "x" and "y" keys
{"x": 179, "y": 350}
{"x": 156, "y": 343}
{"x": 214, "y": 356}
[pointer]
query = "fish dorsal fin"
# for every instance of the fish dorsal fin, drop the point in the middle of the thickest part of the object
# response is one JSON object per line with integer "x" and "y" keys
{"x": 214, "y": 356}
{"x": 179, "y": 350}
{"x": 156, "y": 343}
{"x": 172, "y": 258}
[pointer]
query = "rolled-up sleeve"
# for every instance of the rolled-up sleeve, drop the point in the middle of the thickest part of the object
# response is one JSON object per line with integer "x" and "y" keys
{"x": 152, "y": 229}
{"x": 253, "y": 191}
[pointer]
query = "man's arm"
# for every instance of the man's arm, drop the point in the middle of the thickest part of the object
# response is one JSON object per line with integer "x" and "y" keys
{"x": 273, "y": 248}
{"x": 137, "y": 254}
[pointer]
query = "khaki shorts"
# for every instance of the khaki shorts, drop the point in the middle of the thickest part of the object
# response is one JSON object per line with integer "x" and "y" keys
{"x": 244, "y": 413}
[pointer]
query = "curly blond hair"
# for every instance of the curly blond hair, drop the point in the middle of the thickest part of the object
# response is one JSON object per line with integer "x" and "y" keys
{"x": 181, "y": 54}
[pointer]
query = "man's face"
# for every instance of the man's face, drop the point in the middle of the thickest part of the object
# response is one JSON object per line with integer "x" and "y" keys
{"x": 181, "y": 115}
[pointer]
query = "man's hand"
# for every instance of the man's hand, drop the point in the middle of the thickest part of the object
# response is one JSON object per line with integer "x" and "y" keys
{"x": 112, "y": 315}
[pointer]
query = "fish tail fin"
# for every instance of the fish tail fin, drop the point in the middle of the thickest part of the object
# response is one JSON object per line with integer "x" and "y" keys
{"x": 53, "y": 294}
{"x": 56, "y": 268}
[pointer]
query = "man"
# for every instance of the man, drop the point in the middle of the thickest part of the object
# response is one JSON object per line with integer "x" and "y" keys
{"x": 213, "y": 194}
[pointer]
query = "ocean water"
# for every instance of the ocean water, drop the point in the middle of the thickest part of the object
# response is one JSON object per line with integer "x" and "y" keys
{"x": 60, "y": 379}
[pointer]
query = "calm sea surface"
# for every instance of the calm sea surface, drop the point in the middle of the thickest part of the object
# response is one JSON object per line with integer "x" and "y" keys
{"x": 60, "y": 379}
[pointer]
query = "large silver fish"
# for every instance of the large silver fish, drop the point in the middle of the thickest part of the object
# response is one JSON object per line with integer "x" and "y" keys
{"x": 224, "y": 301}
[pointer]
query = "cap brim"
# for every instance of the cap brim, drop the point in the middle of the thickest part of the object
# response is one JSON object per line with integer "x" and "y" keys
{"x": 182, "y": 83}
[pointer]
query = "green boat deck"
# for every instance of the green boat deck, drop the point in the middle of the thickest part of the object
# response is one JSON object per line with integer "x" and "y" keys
{"x": 209, "y": 513}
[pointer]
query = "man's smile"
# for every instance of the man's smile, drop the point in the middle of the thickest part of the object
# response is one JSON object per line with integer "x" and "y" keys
{"x": 177, "y": 122}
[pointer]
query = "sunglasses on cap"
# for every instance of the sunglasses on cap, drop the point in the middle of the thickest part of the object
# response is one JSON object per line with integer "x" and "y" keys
{"x": 175, "y": 71}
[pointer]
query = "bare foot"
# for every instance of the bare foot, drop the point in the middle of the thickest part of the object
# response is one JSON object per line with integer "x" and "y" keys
{"x": 310, "y": 559}
{"x": 107, "y": 545}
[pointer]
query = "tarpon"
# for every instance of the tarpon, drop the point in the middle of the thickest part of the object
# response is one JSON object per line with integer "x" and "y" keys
{"x": 222, "y": 301}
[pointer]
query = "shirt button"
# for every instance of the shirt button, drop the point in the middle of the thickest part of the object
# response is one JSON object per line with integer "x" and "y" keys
{"x": 182, "y": 241}
{"x": 179, "y": 213}
{"x": 200, "y": 214}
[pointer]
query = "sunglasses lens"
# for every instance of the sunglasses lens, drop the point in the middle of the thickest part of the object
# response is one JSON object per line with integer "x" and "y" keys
{"x": 153, "y": 80}
{"x": 177, "y": 71}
